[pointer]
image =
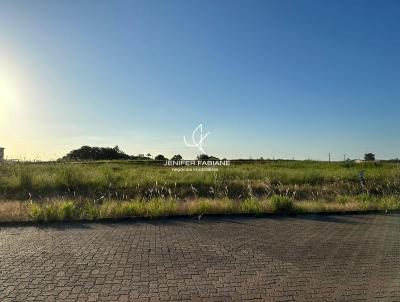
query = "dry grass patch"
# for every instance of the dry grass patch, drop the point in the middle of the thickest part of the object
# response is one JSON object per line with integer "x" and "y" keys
{"x": 13, "y": 211}
{"x": 323, "y": 206}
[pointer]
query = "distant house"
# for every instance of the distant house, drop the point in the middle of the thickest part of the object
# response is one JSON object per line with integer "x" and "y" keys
{"x": 1, "y": 154}
{"x": 360, "y": 161}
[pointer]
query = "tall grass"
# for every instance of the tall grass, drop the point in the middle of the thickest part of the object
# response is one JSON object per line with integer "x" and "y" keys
{"x": 126, "y": 180}
{"x": 281, "y": 204}
{"x": 67, "y": 210}
{"x": 60, "y": 210}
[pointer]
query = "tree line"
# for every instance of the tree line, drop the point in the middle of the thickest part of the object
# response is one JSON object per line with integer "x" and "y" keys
{"x": 87, "y": 153}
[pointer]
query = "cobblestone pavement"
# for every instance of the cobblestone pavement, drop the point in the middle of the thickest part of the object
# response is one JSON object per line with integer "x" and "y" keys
{"x": 308, "y": 258}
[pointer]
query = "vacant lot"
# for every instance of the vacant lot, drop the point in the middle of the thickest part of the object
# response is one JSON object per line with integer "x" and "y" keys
{"x": 93, "y": 190}
{"x": 310, "y": 258}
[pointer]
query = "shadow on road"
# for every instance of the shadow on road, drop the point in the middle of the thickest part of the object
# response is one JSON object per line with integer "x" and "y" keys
{"x": 216, "y": 219}
{"x": 64, "y": 226}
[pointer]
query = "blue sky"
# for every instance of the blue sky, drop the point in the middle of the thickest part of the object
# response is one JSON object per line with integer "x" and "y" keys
{"x": 278, "y": 79}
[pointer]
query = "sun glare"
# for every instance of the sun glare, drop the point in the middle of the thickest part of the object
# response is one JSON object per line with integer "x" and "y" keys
{"x": 8, "y": 91}
{"x": 9, "y": 98}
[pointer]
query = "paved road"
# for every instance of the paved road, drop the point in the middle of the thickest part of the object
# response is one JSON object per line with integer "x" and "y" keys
{"x": 332, "y": 258}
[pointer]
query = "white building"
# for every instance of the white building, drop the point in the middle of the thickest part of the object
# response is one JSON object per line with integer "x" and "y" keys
{"x": 1, "y": 153}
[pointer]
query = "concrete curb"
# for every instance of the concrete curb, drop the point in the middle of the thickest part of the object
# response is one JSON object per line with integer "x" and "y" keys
{"x": 194, "y": 217}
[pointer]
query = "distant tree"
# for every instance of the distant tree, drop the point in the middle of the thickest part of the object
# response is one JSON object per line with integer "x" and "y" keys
{"x": 369, "y": 157}
{"x": 140, "y": 157}
{"x": 148, "y": 155}
{"x": 176, "y": 157}
{"x": 96, "y": 153}
{"x": 160, "y": 157}
{"x": 206, "y": 157}
{"x": 202, "y": 157}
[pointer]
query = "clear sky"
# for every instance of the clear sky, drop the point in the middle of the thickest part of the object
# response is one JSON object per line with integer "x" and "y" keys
{"x": 276, "y": 79}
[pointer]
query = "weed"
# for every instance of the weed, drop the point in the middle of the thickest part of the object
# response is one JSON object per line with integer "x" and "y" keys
{"x": 60, "y": 210}
{"x": 281, "y": 204}
{"x": 250, "y": 206}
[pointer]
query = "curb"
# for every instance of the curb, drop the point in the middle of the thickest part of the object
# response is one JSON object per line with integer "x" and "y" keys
{"x": 193, "y": 217}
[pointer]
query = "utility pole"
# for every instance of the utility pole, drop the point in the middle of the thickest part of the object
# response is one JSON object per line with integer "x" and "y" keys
{"x": 329, "y": 154}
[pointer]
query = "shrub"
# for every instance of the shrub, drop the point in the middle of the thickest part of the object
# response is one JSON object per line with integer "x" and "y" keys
{"x": 34, "y": 210}
{"x": 250, "y": 206}
{"x": 90, "y": 211}
{"x": 204, "y": 206}
{"x": 281, "y": 204}
{"x": 66, "y": 210}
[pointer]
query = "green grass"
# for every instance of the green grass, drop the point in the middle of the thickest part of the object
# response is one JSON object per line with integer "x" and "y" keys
{"x": 67, "y": 210}
{"x": 126, "y": 180}
{"x": 57, "y": 210}
{"x": 250, "y": 206}
{"x": 282, "y": 204}
{"x": 67, "y": 191}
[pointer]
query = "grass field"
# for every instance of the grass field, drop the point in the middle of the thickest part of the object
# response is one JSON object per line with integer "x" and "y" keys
{"x": 93, "y": 190}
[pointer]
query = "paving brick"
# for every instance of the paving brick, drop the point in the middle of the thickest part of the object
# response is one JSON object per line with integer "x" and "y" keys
{"x": 308, "y": 258}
